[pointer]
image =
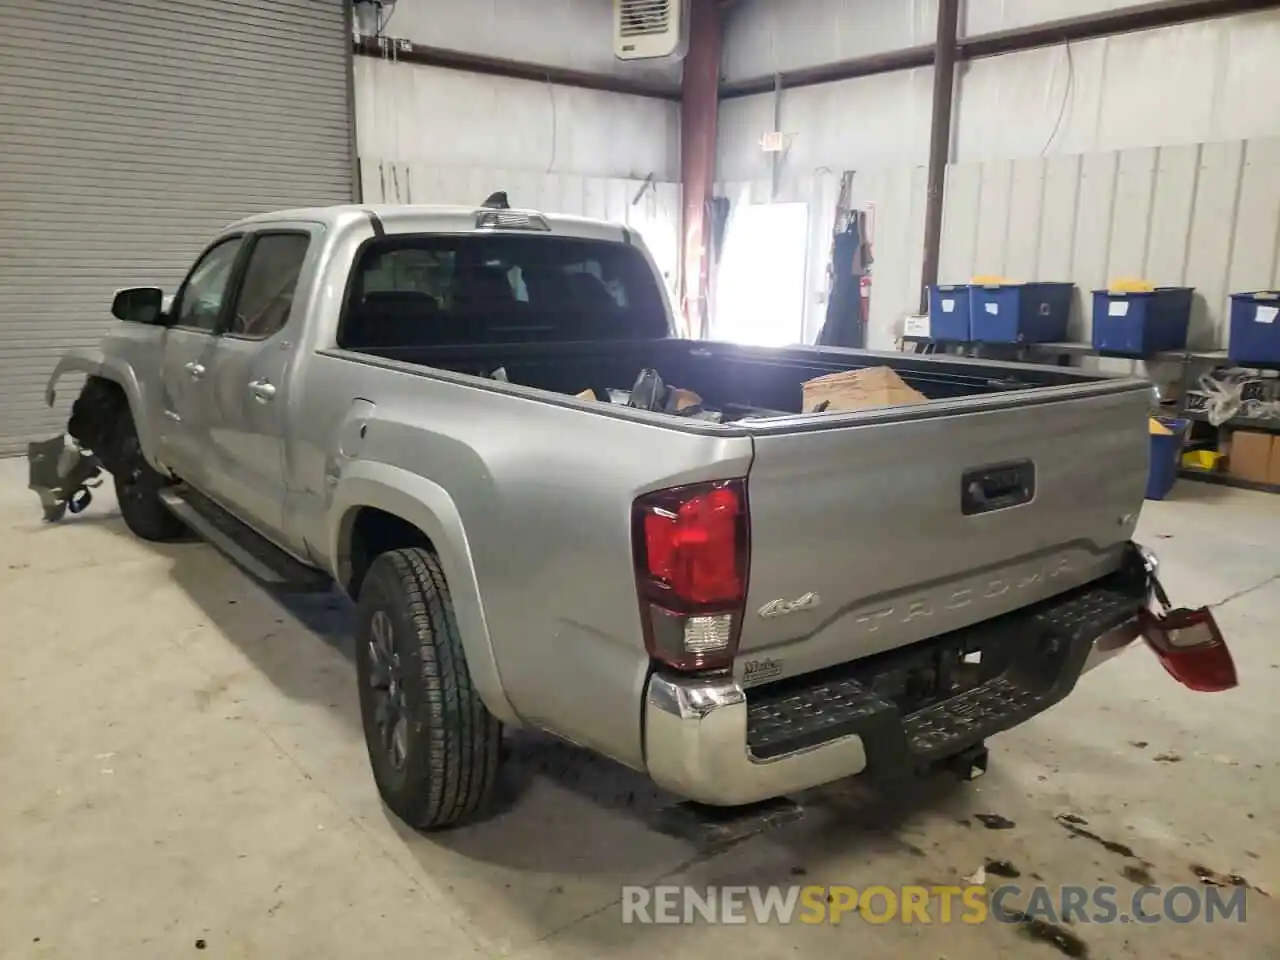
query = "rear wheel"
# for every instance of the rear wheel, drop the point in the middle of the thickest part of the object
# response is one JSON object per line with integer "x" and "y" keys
{"x": 433, "y": 745}
{"x": 138, "y": 487}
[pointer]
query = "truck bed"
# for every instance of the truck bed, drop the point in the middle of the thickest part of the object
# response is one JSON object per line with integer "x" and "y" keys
{"x": 728, "y": 377}
{"x": 883, "y": 528}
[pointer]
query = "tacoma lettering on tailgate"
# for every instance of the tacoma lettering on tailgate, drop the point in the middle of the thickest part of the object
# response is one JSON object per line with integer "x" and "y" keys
{"x": 924, "y": 606}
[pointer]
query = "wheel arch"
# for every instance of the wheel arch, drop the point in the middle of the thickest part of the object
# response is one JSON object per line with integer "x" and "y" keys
{"x": 111, "y": 385}
{"x": 377, "y": 507}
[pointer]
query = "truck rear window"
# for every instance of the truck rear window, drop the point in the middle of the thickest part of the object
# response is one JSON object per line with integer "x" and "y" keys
{"x": 453, "y": 290}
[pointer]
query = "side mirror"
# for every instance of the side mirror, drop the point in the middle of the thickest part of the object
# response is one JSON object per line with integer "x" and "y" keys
{"x": 139, "y": 305}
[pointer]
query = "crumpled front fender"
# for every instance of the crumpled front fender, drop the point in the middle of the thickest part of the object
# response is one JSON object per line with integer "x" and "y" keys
{"x": 95, "y": 362}
{"x": 87, "y": 360}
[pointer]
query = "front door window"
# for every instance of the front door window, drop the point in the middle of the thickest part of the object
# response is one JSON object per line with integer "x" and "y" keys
{"x": 202, "y": 297}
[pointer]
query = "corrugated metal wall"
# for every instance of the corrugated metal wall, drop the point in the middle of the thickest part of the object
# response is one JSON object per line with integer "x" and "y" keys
{"x": 1204, "y": 215}
{"x": 130, "y": 132}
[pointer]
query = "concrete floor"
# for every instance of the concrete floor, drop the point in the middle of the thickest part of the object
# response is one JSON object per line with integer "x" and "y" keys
{"x": 182, "y": 762}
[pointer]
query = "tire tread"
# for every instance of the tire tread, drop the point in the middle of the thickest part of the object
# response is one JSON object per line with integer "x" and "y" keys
{"x": 462, "y": 738}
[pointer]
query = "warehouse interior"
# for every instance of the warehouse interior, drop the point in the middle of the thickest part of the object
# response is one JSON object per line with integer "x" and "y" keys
{"x": 186, "y": 767}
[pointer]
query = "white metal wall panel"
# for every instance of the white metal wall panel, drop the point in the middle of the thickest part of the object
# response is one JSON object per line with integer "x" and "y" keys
{"x": 1206, "y": 216}
{"x": 1026, "y": 208}
{"x": 1060, "y": 218}
{"x": 867, "y": 123}
{"x": 1213, "y": 223}
{"x": 989, "y": 16}
{"x": 1193, "y": 83}
{"x": 651, "y": 208}
{"x": 768, "y": 36}
{"x": 577, "y": 34}
{"x": 417, "y": 114}
{"x": 130, "y": 131}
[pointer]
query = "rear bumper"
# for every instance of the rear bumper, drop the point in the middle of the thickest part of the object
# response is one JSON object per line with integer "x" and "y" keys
{"x": 711, "y": 741}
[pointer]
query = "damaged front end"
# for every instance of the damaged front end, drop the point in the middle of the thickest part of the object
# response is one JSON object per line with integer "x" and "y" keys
{"x": 64, "y": 470}
{"x": 63, "y": 475}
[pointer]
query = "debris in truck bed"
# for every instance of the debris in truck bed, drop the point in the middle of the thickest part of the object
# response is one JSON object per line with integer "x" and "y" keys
{"x": 863, "y": 389}
{"x": 650, "y": 393}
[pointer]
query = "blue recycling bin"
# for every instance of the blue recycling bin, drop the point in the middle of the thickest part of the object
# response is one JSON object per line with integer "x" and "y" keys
{"x": 949, "y": 313}
{"x": 1166, "y": 457}
{"x": 1255, "y": 328}
{"x": 1020, "y": 312}
{"x": 1141, "y": 324}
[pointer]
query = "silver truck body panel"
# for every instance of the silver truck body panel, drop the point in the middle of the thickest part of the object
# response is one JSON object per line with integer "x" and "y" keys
{"x": 881, "y": 512}
{"x": 526, "y": 495}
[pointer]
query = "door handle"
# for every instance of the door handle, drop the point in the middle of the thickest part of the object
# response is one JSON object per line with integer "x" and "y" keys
{"x": 195, "y": 369}
{"x": 262, "y": 390}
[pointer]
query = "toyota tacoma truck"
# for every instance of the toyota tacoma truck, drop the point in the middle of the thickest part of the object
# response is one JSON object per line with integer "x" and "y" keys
{"x": 436, "y": 408}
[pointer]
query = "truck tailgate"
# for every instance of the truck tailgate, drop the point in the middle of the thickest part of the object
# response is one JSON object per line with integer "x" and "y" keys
{"x": 867, "y": 536}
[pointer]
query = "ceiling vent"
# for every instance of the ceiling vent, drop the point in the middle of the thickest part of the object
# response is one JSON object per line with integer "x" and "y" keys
{"x": 650, "y": 29}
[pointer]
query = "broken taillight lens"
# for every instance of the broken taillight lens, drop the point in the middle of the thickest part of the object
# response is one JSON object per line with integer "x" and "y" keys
{"x": 691, "y": 555}
{"x": 1191, "y": 648}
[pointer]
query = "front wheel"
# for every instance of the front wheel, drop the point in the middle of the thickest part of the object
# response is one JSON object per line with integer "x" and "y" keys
{"x": 138, "y": 486}
{"x": 433, "y": 745}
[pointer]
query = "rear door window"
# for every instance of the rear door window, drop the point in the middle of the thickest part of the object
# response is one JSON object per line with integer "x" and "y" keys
{"x": 270, "y": 278}
{"x": 500, "y": 288}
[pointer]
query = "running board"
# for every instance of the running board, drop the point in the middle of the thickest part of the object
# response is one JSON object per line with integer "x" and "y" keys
{"x": 247, "y": 549}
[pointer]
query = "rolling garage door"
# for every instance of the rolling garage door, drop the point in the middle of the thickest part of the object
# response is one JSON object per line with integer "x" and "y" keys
{"x": 131, "y": 131}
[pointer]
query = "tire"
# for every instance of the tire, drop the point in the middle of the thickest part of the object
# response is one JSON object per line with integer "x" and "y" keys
{"x": 138, "y": 487}
{"x": 433, "y": 745}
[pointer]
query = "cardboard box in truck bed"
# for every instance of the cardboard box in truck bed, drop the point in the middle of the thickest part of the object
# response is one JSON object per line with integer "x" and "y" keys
{"x": 859, "y": 390}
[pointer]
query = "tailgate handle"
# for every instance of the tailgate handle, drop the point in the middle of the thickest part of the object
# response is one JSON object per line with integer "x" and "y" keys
{"x": 985, "y": 489}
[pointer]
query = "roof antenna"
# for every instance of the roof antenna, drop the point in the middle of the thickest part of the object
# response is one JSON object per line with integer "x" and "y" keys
{"x": 497, "y": 201}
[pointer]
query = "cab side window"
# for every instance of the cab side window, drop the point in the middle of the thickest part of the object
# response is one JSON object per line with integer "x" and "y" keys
{"x": 266, "y": 295}
{"x": 206, "y": 288}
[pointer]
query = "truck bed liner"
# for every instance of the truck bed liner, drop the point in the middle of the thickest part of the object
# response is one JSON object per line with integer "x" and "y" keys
{"x": 725, "y": 375}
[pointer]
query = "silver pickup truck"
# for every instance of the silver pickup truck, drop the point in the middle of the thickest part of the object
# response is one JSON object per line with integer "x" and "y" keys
{"x": 432, "y": 407}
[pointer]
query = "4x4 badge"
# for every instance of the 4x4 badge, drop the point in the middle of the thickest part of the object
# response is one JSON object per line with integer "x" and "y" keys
{"x": 780, "y": 608}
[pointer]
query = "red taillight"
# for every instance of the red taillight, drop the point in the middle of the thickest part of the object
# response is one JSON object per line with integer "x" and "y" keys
{"x": 691, "y": 554}
{"x": 1191, "y": 648}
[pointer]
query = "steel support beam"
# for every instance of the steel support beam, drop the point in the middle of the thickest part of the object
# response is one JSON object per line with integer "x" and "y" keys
{"x": 1147, "y": 16}
{"x": 699, "y": 111}
{"x": 944, "y": 80}
{"x": 402, "y": 50}
{"x": 867, "y": 66}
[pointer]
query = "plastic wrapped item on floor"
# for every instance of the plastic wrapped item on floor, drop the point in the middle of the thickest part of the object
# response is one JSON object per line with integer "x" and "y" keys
{"x": 864, "y": 389}
{"x": 62, "y": 474}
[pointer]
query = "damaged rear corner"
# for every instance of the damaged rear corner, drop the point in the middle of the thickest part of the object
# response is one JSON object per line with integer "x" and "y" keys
{"x": 63, "y": 470}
